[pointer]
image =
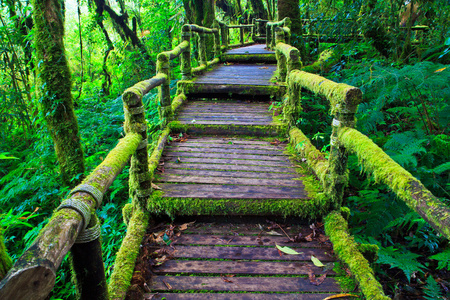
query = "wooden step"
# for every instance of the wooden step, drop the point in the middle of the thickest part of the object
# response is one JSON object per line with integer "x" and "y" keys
{"x": 233, "y": 261}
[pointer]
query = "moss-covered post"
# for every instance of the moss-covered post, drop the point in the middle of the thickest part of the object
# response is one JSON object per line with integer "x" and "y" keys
{"x": 281, "y": 58}
{"x": 163, "y": 67}
{"x": 268, "y": 35}
{"x": 224, "y": 34}
{"x": 202, "y": 58}
{"x": 217, "y": 52}
{"x": 5, "y": 260}
{"x": 135, "y": 122}
{"x": 54, "y": 86}
{"x": 186, "y": 69}
{"x": 241, "y": 36}
{"x": 344, "y": 116}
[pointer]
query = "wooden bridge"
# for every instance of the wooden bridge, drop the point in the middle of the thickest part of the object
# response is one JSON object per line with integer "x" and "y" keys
{"x": 223, "y": 164}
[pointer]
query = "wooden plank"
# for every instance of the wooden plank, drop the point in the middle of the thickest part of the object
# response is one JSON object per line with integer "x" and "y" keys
{"x": 227, "y": 140}
{"x": 225, "y": 81}
{"x": 220, "y": 195}
{"x": 229, "y": 174}
{"x": 227, "y": 150}
{"x": 229, "y": 189}
{"x": 239, "y": 296}
{"x": 233, "y": 181}
{"x": 237, "y": 267}
{"x": 244, "y": 229}
{"x": 251, "y": 168}
{"x": 227, "y": 117}
{"x": 251, "y": 253}
{"x": 226, "y": 123}
{"x": 233, "y": 190}
{"x": 250, "y": 284}
{"x": 229, "y": 161}
{"x": 231, "y": 145}
{"x": 226, "y": 156}
{"x": 238, "y": 240}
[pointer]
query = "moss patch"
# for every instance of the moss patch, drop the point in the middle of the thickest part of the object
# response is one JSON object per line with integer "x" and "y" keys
{"x": 347, "y": 250}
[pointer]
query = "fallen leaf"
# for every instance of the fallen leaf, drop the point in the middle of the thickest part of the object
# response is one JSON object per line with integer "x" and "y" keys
{"x": 161, "y": 260}
{"x": 309, "y": 238}
{"x": 287, "y": 250}
{"x": 340, "y": 296}
{"x": 167, "y": 284}
{"x": 440, "y": 70}
{"x": 273, "y": 232}
{"x": 316, "y": 261}
{"x": 263, "y": 68}
{"x": 313, "y": 279}
{"x": 227, "y": 280}
{"x": 185, "y": 226}
{"x": 154, "y": 186}
{"x": 178, "y": 161}
{"x": 229, "y": 275}
{"x": 323, "y": 238}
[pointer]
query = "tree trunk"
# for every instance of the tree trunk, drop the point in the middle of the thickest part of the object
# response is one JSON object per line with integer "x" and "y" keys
{"x": 372, "y": 28}
{"x": 55, "y": 89}
{"x": 291, "y": 9}
{"x": 258, "y": 9}
{"x": 5, "y": 260}
{"x": 200, "y": 12}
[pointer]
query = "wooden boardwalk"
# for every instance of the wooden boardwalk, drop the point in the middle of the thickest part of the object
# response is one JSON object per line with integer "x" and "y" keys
{"x": 253, "y": 53}
{"x": 226, "y": 165}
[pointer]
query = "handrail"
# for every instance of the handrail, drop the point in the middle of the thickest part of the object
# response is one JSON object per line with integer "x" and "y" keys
{"x": 270, "y": 31}
{"x": 33, "y": 275}
{"x": 288, "y": 57}
{"x": 225, "y": 32}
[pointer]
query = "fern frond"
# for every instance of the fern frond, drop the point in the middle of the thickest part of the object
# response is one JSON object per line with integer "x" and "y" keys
{"x": 432, "y": 289}
{"x": 443, "y": 259}
{"x": 404, "y": 260}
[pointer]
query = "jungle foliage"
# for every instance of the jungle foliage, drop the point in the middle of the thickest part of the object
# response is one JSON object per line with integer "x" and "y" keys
{"x": 112, "y": 45}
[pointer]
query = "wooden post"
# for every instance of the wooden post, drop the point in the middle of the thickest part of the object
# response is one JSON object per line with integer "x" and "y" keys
{"x": 87, "y": 262}
{"x": 163, "y": 67}
{"x": 224, "y": 35}
{"x": 241, "y": 35}
{"x": 217, "y": 52}
{"x": 135, "y": 122}
{"x": 281, "y": 58}
{"x": 186, "y": 68}
{"x": 268, "y": 36}
{"x": 203, "y": 60}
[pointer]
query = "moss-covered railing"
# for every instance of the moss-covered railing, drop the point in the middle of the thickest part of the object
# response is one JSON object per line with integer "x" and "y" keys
{"x": 259, "y": 31}
{"x": 225, "y": 34}
{"x": 285, "y": 24}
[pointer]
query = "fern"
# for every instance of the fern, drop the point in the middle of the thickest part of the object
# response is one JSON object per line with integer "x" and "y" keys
{"x": 443, "y": 259}
{"x": 404, "y": 260}
{"x": 403, "y": 148}
{"x": 432, "y": 289}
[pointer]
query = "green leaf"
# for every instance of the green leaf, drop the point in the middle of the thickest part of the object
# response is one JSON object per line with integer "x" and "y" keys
{"x": 4, "y": 156}
{"x": 432, "y": 289}
{"x": 447, "y": 42}
{"x": 404, "y": 260}
{"x": 443, "y": 259}
{"x": 287, "y": 250}
{"x": 316, "y": 261}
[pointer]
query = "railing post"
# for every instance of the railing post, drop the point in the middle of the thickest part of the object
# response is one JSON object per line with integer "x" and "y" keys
{"x": 186, "y": 68}
{"x": 224, "y": 35}
{"x": 202, "y": 58}
{"x": 241, "y": 35}
{"x": 163, "y": 67}
{"x": 344, "y": 116}
{"x": 217, "y": 51}
{"x": 281, "y": 58}
{"x": 87, "y": 263}
{"x": 135, "y": 122}
{"x": 268, "y": 35}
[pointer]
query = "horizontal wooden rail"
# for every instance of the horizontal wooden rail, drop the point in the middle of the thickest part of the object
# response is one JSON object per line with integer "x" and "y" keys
{"x": 33, "y": 275}
{"x": 384, "y": 169}
{"x": 270, "y": 31}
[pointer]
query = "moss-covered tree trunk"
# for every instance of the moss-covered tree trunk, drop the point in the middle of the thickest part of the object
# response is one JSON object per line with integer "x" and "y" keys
{"x": 291, "y": 9}
{"x": 258, "y": 9}
{"x": 372, "y": 28}
{"x": 54, "y": 86}
{"x": 5, "y": 260}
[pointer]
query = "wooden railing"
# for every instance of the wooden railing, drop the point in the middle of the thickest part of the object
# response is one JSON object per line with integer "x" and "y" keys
{"x": 225, "y": 34}
{"x": 284, "y": 24}
{"x": 344, "y": 101}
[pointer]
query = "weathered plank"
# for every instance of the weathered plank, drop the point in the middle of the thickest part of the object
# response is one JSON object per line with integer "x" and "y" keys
{"x": 239, "y": 296}
{"x": 256, "y": 123}
{"x": 193, "y": 193}
{"x": 227, "y": 150}
{"x": 244, "y": 229}
{"x": 207, "y": 161}
{"x": 230, "y": 117}
{"x": 227, "y": 140}
{"x": 250, "y": 284}
{"x": 205, "y": 166}
{"x": 252, "y": 49}
{"x": 190, "y": 172}
{"x": 237, "y": 267}
{"x": 226, "y": 156}
{"x": 230, "y": 189}
{"x": 227, "y": 146}
{"x": 238, "y": 240}
{"x": 252, "y": 253}
{"x": 227, "y": 180}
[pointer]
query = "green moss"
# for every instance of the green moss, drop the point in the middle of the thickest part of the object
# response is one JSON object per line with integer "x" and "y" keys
{"x": 270, "y": 57}
{"x": 127, "y": 254}
{"x": 326, "y": 60}
{"x": 383, "y": 169}
{"x": 275, "y": 129}
{"x": 347, "y": 250}
{"x": 178, "y": 101}
{"x": 5, "y": 260}
{"x": 303, "y": 208}
{"x": 153, "y": 161}
{"x": 127, "y": 212}
{"x": 369, "y": 251}
{"x": 347, "y": 283}
{"x": 343, "y": 98}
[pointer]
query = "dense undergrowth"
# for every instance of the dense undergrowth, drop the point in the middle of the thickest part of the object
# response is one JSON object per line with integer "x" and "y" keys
{"x": 405, "y": 110}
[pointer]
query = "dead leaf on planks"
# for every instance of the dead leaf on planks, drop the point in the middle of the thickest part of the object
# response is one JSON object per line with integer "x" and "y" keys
{"x": 313, "y": 279}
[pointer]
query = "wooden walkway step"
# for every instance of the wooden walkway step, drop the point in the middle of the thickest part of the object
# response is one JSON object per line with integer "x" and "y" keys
{"x": 234, "y": 261}
{"x": 253, "y": 53}
{"x": 230, "y": 168}
{"x": 230, "y": 117}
